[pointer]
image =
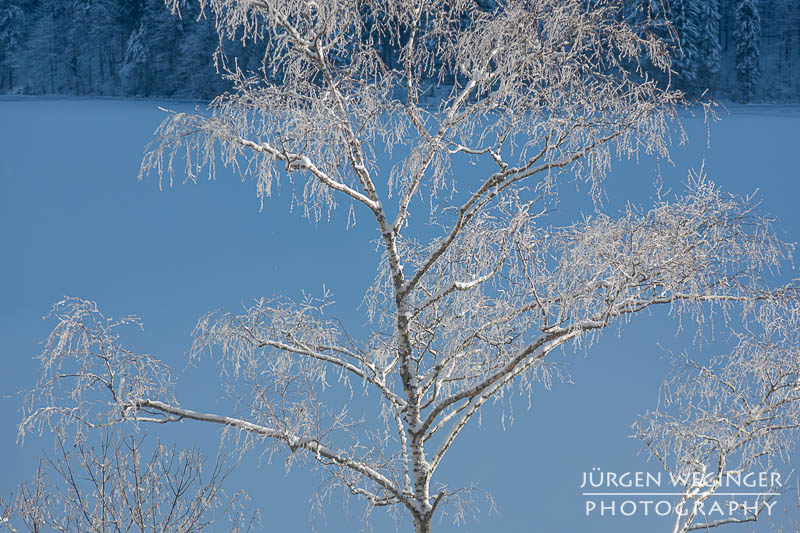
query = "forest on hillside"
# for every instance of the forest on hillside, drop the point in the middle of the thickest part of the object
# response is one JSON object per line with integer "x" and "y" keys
{"x": 742, "y": 50}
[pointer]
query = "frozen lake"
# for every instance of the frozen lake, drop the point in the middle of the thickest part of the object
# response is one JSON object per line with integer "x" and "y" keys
{"x": 75, "y": 221}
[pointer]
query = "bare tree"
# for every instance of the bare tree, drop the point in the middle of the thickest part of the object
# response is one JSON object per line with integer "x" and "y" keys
{"x": 474, "y": 291}
{"x": 721, "y": 421}
{"x": 116, "y": 485}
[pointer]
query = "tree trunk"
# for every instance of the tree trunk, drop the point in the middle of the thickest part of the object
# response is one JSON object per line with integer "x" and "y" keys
{"x": 422, "y": 525}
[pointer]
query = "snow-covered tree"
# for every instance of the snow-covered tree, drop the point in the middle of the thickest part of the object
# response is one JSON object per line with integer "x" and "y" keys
{"x": 477, "y": 287}
{"x": 748, "y": 53}
{"x": 122, "y": 483}
{"x": 46, "y": 64}
{"x": 694, "y": 26}
{"x": 731, "y": 416}
{"x": 709, "y": 51}
{"x": 780, "y": 20}
{"x": 685, "y": 15}
{"x": 652, "y": 20}
{"x": 12, "y": 24}
{"x": 134, "y": 70}
{"x": 195, "y": 73}
{"x": 98, "y": 35}
{"x": 152, "y": 53}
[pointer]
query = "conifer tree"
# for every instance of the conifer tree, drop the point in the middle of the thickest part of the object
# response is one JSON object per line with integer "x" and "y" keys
{"x": 12, "y": 24}
{"x": 748, "y": 57}
{"x": 709, "y": 49}
{"x": 152, "y": 53}
{"x": 685, "y": 17}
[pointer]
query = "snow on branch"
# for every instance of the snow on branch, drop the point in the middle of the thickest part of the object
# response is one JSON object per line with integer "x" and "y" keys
{"x": 701, "y": 249}
{"x": 310, "y": 444}
{"x": 88, "y": 378}
{"x": 737, "y": 413}
{"x": 299, "y": 337}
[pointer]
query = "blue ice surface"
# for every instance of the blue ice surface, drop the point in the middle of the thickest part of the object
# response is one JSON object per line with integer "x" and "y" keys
{"x": 75, "y": 221}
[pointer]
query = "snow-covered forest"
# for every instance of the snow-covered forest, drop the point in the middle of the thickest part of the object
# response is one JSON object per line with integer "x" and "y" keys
{"x": 744, "y": 50}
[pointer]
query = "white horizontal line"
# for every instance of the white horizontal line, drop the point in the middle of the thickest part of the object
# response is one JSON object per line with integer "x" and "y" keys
{"x": 678, "y": 494}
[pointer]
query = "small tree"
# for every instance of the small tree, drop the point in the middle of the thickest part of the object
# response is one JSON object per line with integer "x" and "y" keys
{"x": 478, "y": 287}
{"x": 116, "y": 485}
{"x": 748, "y": 42}
{"x": 732, "y": 416}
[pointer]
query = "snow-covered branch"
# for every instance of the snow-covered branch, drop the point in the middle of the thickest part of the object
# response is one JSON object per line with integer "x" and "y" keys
{"x": 732, "y": 415}
{"x": 304, "y": 332}
{"x": 310, "y": 444}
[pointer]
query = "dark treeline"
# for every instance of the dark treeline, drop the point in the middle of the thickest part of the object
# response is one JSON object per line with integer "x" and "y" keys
{"x": 108, "y": 47}
{"x": 746, "y": 50}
